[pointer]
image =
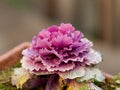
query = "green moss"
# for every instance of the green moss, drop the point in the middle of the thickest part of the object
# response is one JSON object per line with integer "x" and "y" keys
{"x": 5, "y": 80}
{"x": 7, "y": 86}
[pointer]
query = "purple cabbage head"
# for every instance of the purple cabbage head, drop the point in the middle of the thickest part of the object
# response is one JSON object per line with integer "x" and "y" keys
{"x": 59, "y": 49}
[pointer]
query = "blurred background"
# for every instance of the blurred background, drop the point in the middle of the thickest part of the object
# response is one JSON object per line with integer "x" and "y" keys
{"x": 99, "y": 20}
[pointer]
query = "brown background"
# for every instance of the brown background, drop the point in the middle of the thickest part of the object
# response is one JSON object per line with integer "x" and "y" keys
{"x": 99, "y": 20}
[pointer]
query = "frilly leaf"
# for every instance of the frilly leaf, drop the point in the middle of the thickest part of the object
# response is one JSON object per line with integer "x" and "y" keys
{"x": 94, "y": 57}
{"x": 72, "y": 74}
{"x": 92, "y": 73}
{"x": 41, "y": 73}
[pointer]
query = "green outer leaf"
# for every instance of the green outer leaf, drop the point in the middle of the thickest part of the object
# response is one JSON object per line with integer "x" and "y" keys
{"x": 72, "y": 74}
{"x": 92, "y": 73}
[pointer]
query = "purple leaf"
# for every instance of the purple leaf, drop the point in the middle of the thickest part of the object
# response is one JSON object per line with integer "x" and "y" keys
{"x": 53, "y": 83}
